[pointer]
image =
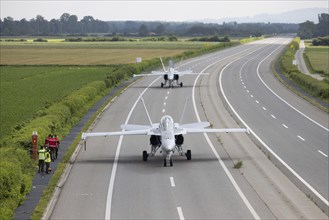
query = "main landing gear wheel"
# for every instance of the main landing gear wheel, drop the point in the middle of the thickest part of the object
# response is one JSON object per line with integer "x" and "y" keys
{"x": 145, "y": 155}
{"x": 161, "y": 85}
{"x": 165, "y": 162}
{"x": 188, "y": 155}
{"x": 181, "y": 84}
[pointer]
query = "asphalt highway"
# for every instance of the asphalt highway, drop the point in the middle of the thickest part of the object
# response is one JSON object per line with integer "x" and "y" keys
{"x": 111, "y": 181}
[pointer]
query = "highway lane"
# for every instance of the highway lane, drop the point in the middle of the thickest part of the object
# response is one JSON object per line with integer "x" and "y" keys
{"x": 190, "y": 189}
{"x": 293, "y": 135}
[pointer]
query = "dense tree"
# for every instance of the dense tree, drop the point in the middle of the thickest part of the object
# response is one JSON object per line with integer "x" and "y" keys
{"x": 306, "y": 30}
{"x": 160, "y": 29}
{"x": 143, "y": 30}
{"x": 322, "y": 28}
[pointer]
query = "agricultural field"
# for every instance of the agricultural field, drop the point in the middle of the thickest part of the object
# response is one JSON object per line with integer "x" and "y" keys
{"x": 59, "y": 52}
{"x": 27, "y": 89}
{"x": 318, "y": 57}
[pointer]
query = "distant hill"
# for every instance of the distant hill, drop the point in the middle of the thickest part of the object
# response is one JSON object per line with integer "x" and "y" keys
{"x": 295, "y": 17}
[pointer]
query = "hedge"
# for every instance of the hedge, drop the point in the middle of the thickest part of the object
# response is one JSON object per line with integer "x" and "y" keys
{"x": 307, "y": 83}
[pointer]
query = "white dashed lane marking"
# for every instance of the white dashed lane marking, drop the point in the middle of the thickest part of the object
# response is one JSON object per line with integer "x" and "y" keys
{"x": 172, "y": 182}
{"x": 322, "y": 153}
{"x": 301, "y": 138}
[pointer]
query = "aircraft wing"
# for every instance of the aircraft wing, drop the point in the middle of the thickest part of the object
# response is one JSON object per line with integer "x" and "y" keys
{"x": 196, "y": 125}
{"x": 115, "y": 133}
{"x": 222, "y": 130}
{"x": 133, "y": 127}
{"x": 189, "y": 72}
{"x": 201, "y": 128}
{"x": 129, "y": 129}
{"x": 153, "y": 73}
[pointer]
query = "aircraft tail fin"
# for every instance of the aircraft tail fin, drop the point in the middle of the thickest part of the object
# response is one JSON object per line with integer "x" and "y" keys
{"x": 180, "y": 63}
{"x": 164, "y": 69}
{"x": 147, "y": 113}
{"x": 181, "y": 118}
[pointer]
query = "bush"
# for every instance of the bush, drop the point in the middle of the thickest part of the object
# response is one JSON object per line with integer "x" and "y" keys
{"x": 321, "y": 41}
{"x": 308, "y": 84}
{"x": 40, "y": 40}
{"x": 15, "y": 179}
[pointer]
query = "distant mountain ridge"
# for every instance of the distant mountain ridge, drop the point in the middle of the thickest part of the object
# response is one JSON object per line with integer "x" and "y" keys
{"x": 295, "y": 17}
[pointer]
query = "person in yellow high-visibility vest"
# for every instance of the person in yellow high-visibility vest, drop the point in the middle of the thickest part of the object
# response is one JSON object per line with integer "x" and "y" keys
{"x": 47, "y": 161}
{"x": 42, "y": 156}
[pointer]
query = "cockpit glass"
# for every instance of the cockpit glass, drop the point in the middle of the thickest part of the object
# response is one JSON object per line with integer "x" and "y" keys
{"x": 167, "y": 123}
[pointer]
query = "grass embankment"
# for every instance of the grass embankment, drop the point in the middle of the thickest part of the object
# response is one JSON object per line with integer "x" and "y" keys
{"x": 310, "y": 85}
{"x": 317, "y": 59}
{"x": 55, "y": 113}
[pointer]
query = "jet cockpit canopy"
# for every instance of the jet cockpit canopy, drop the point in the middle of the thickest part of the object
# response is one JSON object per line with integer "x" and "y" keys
{"x": 167, "y": 123}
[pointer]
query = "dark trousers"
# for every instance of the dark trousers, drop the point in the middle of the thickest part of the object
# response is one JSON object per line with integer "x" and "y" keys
{"x": 47, "y": 166}
{"x": 41, "y": 166}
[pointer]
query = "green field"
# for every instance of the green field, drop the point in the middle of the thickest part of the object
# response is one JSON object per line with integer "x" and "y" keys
{"x": 56, "y": 52}
{"x": 27, "y": 89}
{"x": 319, "y": 59}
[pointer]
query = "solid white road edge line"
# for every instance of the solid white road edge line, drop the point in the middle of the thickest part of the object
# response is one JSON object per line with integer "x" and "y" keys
{"x": 180, "y": 213}
{"x": 236, "y": 186}
{"x": 115, "y": 163}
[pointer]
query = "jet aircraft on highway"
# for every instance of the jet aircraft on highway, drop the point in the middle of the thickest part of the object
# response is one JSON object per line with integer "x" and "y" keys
{"x": 166, "y": 135}
{"x": 170, "y": 75}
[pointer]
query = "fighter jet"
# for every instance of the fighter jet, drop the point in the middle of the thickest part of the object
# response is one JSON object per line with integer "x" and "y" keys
{"x": 170, "y": 75}
{"x": 166, "y": 135}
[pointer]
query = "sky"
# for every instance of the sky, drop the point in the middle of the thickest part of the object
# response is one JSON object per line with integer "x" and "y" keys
{"x": 155, "y": 10}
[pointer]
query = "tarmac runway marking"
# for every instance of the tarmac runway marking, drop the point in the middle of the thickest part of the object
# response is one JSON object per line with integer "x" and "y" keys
{"x": 301, "y": 138}
{"x": 322, "y": 153}
{"x": 172, "y": 182}
{"x": 180, "y": 213}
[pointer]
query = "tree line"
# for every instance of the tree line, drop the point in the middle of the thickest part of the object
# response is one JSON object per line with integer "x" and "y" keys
{"x": 66, "y": 24}
{"x": 309, "y": 29}
{"x": 70, "y": 25}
